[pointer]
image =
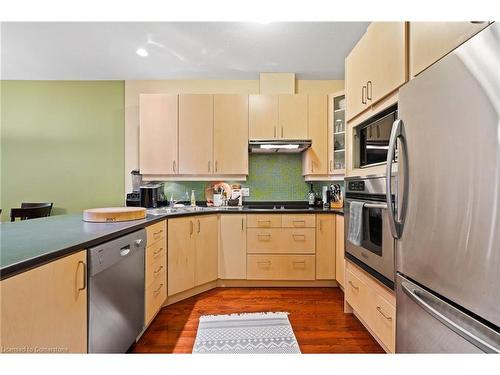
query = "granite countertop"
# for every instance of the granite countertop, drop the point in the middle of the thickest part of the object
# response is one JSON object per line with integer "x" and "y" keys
{"x": 31, "y": 243}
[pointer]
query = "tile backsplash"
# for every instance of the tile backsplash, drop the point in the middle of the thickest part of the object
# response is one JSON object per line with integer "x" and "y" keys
{"x": 272, "y": 177}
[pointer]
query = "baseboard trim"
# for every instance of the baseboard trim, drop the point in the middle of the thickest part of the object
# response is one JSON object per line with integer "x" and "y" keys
{"x": 190, "y": 293}
{"x": 275, "y": 283}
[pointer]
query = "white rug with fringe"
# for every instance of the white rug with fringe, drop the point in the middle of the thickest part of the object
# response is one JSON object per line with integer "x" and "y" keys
{"x": 263, "y": 333}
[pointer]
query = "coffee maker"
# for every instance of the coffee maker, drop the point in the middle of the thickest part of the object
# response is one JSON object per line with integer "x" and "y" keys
{"x": 148, "y": 195}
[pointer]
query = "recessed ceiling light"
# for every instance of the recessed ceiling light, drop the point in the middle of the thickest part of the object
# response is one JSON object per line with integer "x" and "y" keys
{"x": 141, "y": 52}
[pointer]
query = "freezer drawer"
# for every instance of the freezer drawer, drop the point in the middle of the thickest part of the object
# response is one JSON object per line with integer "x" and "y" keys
{"x": 427, "y": 324}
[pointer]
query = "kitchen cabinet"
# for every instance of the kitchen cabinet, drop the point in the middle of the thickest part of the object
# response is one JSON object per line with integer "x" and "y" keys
{"x": 281, "y": 240}
{"x": 263, "y": 116}
{"x": 196, "y": 124}
{"x": 207, "y": 246}
{"x": 430, "y": 41}
{"x": 158, "y": 149}
{"x": 280, "y": 267}
{"x": 230, "y": 134}
{"x": 181, "y": 254}
{"x": 44, "y": 310}
{"x": 233, "y": 247}
{"x": 325, "y": 246}
{"x": 155, "y": 273}
{"x": 315, "y": 158}
{"x": 376, "y": 66}
{"x": 292, "y": 116}
{"x": 339, "y": 250}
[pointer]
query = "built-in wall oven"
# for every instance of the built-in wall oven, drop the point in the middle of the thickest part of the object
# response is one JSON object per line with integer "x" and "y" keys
{"x": 375, "y": 252}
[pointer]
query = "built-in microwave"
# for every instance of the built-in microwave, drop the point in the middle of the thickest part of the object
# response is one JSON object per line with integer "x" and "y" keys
{"x": 373, "y": 136}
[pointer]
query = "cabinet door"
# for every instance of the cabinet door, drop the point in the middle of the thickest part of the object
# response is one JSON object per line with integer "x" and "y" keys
{"x": 339, "y": 250}
{"x": 263, "y": 116}
{"x": 429, "y": 41}
{"x": 387, "y": 59}
{"x": 315, "y": 159}
{"x": 207, "y": 243}
{"x": 158, "y": 115}
{"x": 231, "y": 134}
{"x": 196, "y": 124}
{"x": 233, "y": 247}
{"x": 46, "y": 307}
{"x": 325, "y": 247}
{"x": 181, "y": 254}
{"x": 292, "y": 117}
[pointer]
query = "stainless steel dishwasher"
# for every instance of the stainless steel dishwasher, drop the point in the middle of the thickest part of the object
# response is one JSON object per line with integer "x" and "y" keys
{"x": 116, "y": 293}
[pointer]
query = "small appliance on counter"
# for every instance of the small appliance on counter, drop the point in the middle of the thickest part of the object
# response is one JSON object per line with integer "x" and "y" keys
{"x": 134, "y": 198}
{"x": 152, "y": 195}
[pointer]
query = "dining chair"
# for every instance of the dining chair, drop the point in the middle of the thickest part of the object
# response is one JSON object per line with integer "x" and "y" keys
{"x": 30, "y": 211}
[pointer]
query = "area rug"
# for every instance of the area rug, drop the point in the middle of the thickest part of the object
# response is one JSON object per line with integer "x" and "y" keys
{"x": 265, "y": 333}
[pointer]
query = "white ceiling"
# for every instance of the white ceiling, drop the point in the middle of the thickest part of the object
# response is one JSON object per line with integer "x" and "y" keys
{"x": 177, "y": 50}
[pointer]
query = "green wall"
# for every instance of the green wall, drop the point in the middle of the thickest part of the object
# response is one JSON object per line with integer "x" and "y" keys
{"x": 62, "y": 142}
{"x": 271, "y": 177}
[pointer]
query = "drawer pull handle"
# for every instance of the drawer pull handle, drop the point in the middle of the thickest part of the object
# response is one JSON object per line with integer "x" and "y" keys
{"x": 158, "y": 270}
{"x": 264, "y": 236}
{"x": 157, "y": 291}
{"x": 300, "y": 223}
{"x": 352, "y": 284}
{"x": 155, "y": 254}
{"x": 300, "y": 262}
{"x": 155, "y": 234}
{"x": 266, "y": 263}
{"x": 299, "y": 237}
{"x": 268, "y": 222}
{"x": 379, "y": 309}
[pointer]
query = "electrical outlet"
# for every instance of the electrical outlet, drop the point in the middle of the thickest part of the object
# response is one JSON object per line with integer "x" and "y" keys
{"x": 245, "y": 192}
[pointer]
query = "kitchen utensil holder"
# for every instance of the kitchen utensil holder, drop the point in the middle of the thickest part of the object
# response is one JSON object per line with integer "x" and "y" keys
{"x": 337, "y": 205}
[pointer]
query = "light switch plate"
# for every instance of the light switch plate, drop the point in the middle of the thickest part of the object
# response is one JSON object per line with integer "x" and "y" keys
{"x": 245, "y": 192}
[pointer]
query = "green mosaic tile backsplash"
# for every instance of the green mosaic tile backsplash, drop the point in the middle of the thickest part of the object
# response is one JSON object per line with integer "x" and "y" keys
{"x": 271, "y": 177}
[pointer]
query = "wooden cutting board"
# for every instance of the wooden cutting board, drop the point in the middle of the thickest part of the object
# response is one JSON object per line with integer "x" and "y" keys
{"x": 112, "y": 214}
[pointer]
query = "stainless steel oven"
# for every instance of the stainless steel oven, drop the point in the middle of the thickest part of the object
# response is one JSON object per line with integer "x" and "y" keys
{"x": 376, "y": 251}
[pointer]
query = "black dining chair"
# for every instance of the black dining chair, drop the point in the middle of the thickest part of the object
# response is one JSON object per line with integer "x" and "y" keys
{"x": 30, "y": 211}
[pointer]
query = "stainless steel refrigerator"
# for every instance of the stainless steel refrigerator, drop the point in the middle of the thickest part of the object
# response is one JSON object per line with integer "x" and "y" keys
{"x": 447, "y": 220}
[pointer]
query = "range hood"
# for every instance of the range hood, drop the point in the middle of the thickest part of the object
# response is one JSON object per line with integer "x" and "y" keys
{"x": 282, "y": 146}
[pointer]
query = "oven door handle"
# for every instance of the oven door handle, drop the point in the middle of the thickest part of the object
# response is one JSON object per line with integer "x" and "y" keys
{"x": 382, "y": 206}
{"x": 396, "y": 132}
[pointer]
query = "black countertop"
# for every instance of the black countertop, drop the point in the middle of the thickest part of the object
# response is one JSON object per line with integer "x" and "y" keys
{"x": 31, "y": 243}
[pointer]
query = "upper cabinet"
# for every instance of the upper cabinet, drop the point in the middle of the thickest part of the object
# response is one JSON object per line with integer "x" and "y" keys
{"x": 158, "y": 149}
{"x": 278, "y": 116}
{"x": 263, "y": 116}
{"x": 315, "y": 158}
{"x": 196, "y": 123}
{"x": 292, "y": 115}
{"x": 376, "y": 66}
{"x": 231, "y": 134}
{"x": 429, "y": 41}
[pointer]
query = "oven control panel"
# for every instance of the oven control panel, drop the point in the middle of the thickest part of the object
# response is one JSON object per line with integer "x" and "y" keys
{"x": 356, "y": 185}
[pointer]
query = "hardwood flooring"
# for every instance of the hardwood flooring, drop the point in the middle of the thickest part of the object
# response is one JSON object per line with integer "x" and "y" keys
{"x": 316, "y": 316}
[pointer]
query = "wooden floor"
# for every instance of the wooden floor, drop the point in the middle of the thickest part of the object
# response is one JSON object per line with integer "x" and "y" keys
{"x": 316, "y": 316}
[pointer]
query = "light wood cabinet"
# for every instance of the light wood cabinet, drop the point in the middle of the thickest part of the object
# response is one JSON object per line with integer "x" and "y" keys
{"x": 376, "y": 66}
{"x": 196, "y": 124}
{"x": 292, "y": 115}
{"x": 263, "y": 116}
{"x": 155, "y": 272}
{"x": 233, "y": 247}
{"x": 264, "y": 221}
{"x": 181, "y": 254}
{"x": 325, "y": 247}
{"x": 206, "y": 243}
{"x": 281, "y": 240}
{"x": 158, "y": 147}
{"x": 231, "y": 134}
{"x": 430, "y": 41}
{"x": 45, "y": 309}
{"x": 315, "y": 159}
{"x": 280, "y": 267}
{"x": 298, "y": 221}
{"x": 339, "y": 250}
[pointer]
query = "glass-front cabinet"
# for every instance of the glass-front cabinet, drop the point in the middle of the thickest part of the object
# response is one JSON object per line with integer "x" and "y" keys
{"x": 336, "y": 133}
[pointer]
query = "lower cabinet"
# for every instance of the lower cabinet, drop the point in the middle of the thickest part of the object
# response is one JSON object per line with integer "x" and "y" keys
{"x": 280, "y": 267}
{"x": 339, "y": 250}
{"x": 233, "y": 247}
{"x": 155, "y": 270}
{"x": 44, "y": 310}
{"x": 192, "y": 252}
{"x": 373, "y": 303}
{"x": 325, "y": 246}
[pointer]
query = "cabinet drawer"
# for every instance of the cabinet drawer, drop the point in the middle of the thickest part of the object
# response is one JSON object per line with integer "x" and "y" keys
{"x": 265, "y": 240}
{"x": 357, "y": 294}
{"x": 383, "y": 316}
{"x": 298, "y": 240}
{"x": 280, "y": 267}
{"x": 298, "y": 221}
{"x": 155, "y": 251}
{"x": 156, "y": 232}
{"x": 156, "y": 270}
{"x": 263, "y": 221}
{"x": 156, "y": 294}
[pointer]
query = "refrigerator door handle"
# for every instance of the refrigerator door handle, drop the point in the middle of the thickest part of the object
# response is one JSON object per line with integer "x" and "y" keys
{"x": 419, "y": 296}
{"x": 396, "y": 132}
